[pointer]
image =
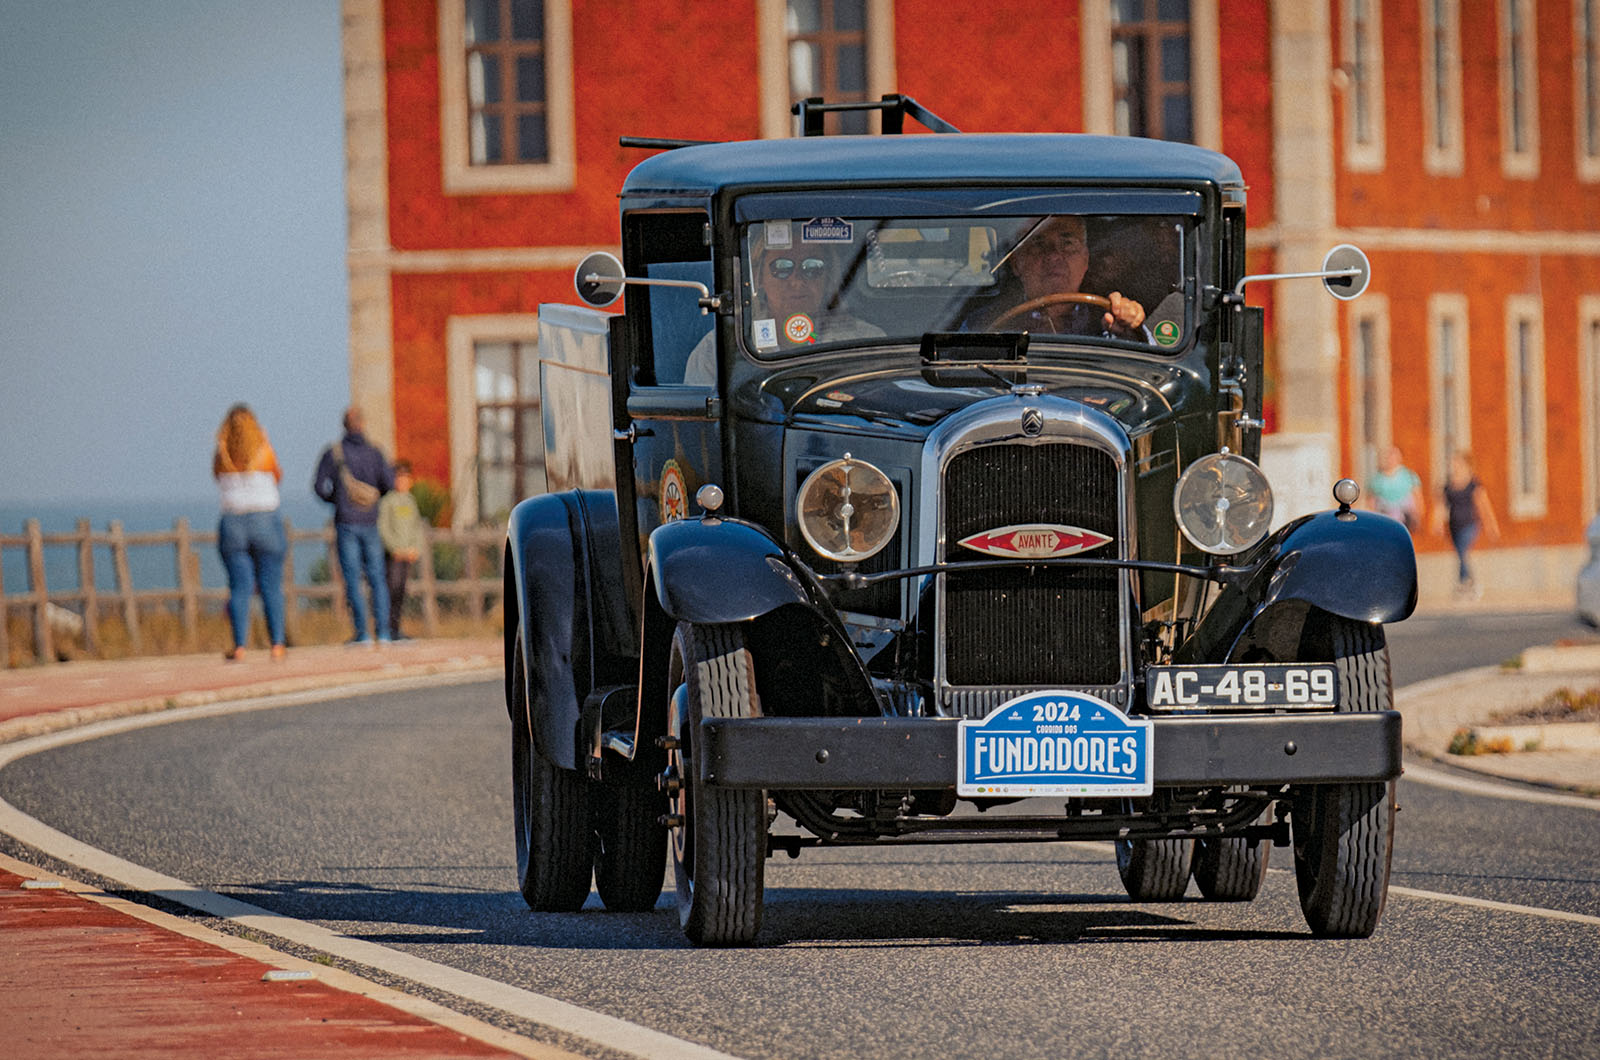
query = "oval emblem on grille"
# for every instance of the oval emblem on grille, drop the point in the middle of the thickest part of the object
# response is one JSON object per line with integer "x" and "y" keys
{"x": 1034, "y": 541}
{"x": 1032, "y": 422}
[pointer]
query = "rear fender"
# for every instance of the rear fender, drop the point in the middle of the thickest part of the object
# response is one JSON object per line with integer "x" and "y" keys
{"x": 571, "y": 614}
{"x": 1357, "y": 565}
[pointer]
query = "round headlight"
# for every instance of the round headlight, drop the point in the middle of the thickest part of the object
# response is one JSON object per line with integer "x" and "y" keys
{"x": 848, "y": 510}
{"x": 1223, "y": 503}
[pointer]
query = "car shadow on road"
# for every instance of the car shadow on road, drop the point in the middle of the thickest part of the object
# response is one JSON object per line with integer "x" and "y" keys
{"x": 794, "y": 916}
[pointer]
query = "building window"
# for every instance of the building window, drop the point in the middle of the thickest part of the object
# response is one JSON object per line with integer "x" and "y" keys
{"x": 510, "y": 431}
{"x": 505, "y": 76}
{"x": 1150, "y": 69}
{"x": 828, "y": 56}
{"x": 1363, "y": 67}
{"x": 1589, "y": 393}
{"x": 1441, "y": 91}
{"x": 1519, "y": 131}
{"x": 1586, "y": 81}
{"x": 1370, "y": 426}
{"x": 1449, "y": 413}
{"x": 1525, "y": 421}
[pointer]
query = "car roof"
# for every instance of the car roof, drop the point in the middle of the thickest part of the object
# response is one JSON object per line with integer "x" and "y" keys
{"x": 963, "y": 158}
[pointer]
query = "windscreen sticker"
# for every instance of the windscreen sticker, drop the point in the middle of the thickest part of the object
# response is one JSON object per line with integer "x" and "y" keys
{"x": 780, "y": 235}
{"x": 1166, "y": 333}
{"x": 798, "y": 328}
{"x": 766, "y": 334}
{"x": 827, "y": 230}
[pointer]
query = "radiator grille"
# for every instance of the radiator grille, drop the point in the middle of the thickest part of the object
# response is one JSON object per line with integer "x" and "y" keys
{"x": 1044, "y": 626}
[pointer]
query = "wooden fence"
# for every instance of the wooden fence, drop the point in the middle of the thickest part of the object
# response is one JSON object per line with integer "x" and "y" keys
{"x": 476, "y": 590}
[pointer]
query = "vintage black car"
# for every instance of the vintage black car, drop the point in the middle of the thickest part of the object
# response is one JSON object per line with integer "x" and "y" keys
{"x": 917, "y": 480}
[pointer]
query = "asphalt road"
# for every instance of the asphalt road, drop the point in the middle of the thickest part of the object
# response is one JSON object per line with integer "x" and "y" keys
{"x": 388, "y": 819}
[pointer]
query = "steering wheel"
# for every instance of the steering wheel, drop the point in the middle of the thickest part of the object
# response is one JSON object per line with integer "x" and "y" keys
{"x": 1075, "y": 297}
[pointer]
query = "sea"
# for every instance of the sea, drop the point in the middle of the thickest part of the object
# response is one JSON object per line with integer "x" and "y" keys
{"x": 149, "y": 566}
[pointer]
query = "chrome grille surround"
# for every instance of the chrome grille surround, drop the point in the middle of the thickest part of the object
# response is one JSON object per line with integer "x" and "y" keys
{"x": 999, "y": 422}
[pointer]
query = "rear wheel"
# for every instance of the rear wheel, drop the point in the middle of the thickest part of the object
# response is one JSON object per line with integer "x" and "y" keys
{"x": 1230, "y": 870}
{"x": 1344, "y": 833}
{"x": 555, "y": 842}
{"x": 1154, "y": 870}
{"x": 719, "y": 849}
{"x": 631, "y": 859}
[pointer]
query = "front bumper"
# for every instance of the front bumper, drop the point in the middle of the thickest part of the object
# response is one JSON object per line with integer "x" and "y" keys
{"x": 821, "y": 754}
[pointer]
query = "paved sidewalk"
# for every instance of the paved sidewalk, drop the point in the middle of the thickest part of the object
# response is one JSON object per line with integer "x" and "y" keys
{"x": 86, "y": 974}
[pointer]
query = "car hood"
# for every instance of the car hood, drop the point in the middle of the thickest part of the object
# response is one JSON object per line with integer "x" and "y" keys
{"x": 906, "y": 399}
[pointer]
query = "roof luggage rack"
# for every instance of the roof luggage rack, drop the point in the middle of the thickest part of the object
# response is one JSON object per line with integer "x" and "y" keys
{"x": 895, "y": 108}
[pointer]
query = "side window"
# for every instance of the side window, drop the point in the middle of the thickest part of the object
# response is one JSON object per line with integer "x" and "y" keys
{"x": 671, "y": 329}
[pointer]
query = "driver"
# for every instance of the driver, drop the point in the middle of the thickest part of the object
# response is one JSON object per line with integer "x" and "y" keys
{"x": 1052, "y": 259}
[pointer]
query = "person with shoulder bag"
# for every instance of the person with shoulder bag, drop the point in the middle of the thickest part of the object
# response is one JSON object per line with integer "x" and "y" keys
{"x": 352, "y": 475}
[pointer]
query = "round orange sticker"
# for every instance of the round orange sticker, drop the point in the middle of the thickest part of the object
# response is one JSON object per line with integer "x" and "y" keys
{"x": 798, "y": 328}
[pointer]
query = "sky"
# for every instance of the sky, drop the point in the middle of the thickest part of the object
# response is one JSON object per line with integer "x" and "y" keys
{"x": 172, "y": 241}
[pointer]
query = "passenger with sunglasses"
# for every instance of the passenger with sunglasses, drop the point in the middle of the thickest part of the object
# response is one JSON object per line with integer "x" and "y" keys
{"x": 796, "y": 287}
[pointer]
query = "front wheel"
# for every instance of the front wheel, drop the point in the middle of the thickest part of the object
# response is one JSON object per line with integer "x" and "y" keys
{"x": 555, "y": 843}
{"x": 1344, "y": 833}
{"x": 719, "y": 844}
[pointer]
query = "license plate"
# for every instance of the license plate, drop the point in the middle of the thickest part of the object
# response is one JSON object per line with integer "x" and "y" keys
{"x": 1268, "y": 686}
{"x": 1058, "y": 743}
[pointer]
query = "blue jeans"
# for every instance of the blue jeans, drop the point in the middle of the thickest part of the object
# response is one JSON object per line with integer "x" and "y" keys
{"x": 253, "y": 545}
{"x": 361, "y": 556}
{"x": 1462, "y": 538}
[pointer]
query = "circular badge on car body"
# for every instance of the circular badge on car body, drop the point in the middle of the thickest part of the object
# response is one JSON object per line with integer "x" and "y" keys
{"x": 798, "y": 328}
{"x": 1166, "y": 333}
{"x": 674, "y": 497}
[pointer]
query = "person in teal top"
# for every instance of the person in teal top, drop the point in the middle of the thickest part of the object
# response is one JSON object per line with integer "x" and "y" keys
{"x": 1396, "y": 490}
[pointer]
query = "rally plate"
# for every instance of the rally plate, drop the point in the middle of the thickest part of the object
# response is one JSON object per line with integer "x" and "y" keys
{"x": 1057, "y": 743}
{"x": 1266, "y": 686}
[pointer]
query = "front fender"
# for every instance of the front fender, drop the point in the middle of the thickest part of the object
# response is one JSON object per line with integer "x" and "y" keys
{"x": 1357, "y": 565}
{"x": 721, "y": 570}
{"x": 571, "y": 617}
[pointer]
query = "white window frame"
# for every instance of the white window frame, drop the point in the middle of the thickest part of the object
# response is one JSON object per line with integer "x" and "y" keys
{"x": 1205, "y": 71}
{"x": 463, "y": 178}
{"x": 1373, "y": 309}
{"x": 1447, "y": 159}
{"x": 1589, "y": 397}
{"x": 1452, "y": 307}
{"x": 1519, "y": 101}
{"x": 1526, "y": 435}
{"x": 1586, "y": 66}
{"x": 462, "y": 335}
{"x": 777, "y": 120}
{"x": 1363, "y": 155}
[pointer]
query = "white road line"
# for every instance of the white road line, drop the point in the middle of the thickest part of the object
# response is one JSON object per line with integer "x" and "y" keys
{"x": 1440, "y": 779}
{"x": 1499, "y": 907}
{"x": 608, "y": 1031}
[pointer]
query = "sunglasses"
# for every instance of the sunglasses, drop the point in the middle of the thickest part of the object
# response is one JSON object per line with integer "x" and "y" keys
{"x": 810, "y": 268}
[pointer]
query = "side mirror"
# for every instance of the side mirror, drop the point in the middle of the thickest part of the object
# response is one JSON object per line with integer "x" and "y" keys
{"x": 599, "y": 280}
{"x": 1345, "y": 273}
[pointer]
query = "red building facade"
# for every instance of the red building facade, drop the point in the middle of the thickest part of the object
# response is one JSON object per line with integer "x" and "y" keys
{"x": 1457, "y": 142}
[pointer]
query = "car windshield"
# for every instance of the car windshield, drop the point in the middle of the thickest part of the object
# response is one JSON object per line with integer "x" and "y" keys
{"x": 822, "y": 281}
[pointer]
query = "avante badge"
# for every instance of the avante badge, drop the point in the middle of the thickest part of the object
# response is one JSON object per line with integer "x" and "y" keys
{"x": 1034, "y": 541}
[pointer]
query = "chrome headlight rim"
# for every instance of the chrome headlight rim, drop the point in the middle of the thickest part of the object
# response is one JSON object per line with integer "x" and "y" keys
{"x": 1246, "y": 475}
{"x": 852, "y": 466}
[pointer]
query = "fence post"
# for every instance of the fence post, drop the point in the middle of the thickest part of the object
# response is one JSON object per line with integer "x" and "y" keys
{"x": 5, "y": 618}
{"x": 291, "y": 598}
{"x": 44, "y": 648}
{"x": 188, "y": 583}
{"x": 91, "y": 602}
{"x": 474, "y": 598}
{"x": 430, "y": 588}
{"x": 124, "y": 581}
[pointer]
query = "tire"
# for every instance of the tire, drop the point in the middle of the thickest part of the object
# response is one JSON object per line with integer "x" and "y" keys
{"x": 630, "y": 862}
{"x": 1155, "y": 870}
{"x": 555, "y": 838}
{"x": 1230, "y": 870}
{"x": 1344, "y": 833}
{"x": 719, "y": 851}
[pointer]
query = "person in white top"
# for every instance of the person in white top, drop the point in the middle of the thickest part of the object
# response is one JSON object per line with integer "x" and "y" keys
{"x": 250, "y": 535}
